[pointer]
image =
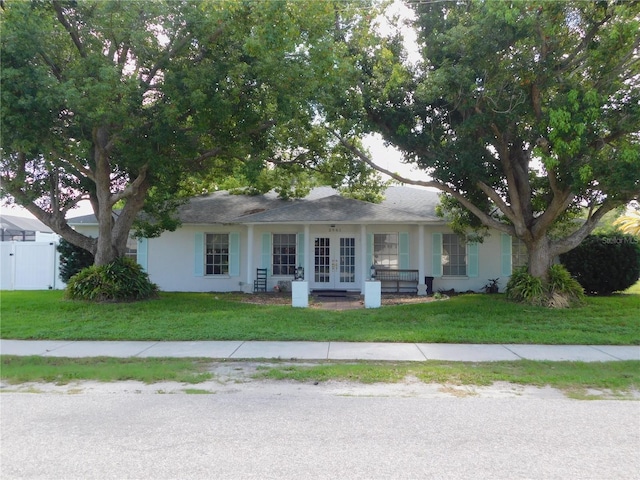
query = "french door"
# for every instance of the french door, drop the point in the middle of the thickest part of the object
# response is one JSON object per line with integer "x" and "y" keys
{"x": 334, "y": 262}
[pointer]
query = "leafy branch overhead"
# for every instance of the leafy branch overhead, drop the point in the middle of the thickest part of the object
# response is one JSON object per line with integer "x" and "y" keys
{"x": 136, "y": 105}
{"x": 524, "y": 113}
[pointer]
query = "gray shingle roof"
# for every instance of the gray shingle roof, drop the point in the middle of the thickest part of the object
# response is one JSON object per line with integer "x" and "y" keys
{"x": 333, "y": 209}
{"x": 22, "y": 224}
{"x": 401, "y": 204}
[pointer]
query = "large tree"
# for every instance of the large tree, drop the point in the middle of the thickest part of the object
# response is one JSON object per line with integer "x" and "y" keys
{"x": 127, "y": 104}
{"x": 522, "y": 112}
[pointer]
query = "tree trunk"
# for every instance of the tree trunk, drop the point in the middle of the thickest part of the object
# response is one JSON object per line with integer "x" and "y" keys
{"x": 540, "y": 258}
{"x": 113, "y": 230}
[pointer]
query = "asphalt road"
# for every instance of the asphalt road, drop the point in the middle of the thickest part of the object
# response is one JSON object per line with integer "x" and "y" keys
{"x": 283, "y": 431}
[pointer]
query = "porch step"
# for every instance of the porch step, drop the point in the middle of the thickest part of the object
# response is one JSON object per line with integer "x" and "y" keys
{"x": 334, "y": 293}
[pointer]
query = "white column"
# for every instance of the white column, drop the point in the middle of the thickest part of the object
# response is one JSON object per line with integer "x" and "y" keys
{"x": 372, "y": 294}
{"x": 248, "y": 286}
{"x": 308, "y": 254}
{"x": 300, "y": 293}
{"x": 364, "y": 266}
{"x": 422, "y": 287}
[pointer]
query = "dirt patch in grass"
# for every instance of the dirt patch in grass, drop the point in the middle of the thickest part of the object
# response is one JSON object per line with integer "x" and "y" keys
{"x": 285, "y": 299}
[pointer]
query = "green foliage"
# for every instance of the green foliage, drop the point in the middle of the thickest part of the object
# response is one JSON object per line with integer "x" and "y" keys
{"x": 122, "y": 280}
{"x": 145, "y": 103}
{"x": 564, "y": 290}
{"x": 629, "y": 222}
{"x": 72, "y": 259}
{"x": 461, "y": 220}
{"x": 523, "y": 112}
{"x": 561, "y": 290}
{"x": 492, "y": 286}
{"x": 523, "y": 287}
{"x": 605, "y": 263}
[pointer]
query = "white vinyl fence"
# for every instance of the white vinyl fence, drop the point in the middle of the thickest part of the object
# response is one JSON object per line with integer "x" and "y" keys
{"x": 29, "y": 266}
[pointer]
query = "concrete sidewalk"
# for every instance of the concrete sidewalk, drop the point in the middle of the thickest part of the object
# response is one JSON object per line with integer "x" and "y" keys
{"x": 239, "y": 350}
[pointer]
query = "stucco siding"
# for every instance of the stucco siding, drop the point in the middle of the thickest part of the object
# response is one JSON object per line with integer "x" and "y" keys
{"x": 171, "y": 258}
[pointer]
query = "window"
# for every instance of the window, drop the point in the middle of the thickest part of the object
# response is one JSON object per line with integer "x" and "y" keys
{"x": 454, "y": 255}
{"x": 132, "y": 249}
{"x": 385, "y": 250}
{"x": 216, "y": 254}
{"x": 284, "y": 254}
{"x": 519, "y": 255}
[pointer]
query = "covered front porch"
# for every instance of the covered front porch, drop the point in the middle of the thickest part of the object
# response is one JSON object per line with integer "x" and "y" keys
{"x": 340, "y": 257}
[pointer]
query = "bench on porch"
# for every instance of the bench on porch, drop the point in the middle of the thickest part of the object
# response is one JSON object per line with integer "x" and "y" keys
{"x": 396, "y": 280}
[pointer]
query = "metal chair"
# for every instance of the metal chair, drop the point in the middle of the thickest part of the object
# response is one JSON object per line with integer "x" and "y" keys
{"x": 260, "y": 283}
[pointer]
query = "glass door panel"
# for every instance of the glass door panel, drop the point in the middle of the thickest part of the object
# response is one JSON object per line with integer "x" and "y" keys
{"x": 322, "y": 260}
{"x": 334, "y": 263}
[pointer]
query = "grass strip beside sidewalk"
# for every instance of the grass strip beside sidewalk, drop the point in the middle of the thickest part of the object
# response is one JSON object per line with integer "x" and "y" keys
{"x": 575, "y": 378}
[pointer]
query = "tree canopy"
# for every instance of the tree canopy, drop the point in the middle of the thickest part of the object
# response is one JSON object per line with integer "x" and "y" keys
{"x": 137, "y": 104}
{"x": 522, "y": 113}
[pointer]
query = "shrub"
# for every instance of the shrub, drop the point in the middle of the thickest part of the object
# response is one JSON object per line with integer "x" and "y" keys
{"x": 564, "y": 290}
{"x": 72, "y": 259}
{"x": 560, "y": 291}
{"x": 523, "y": 287}
{"x": 605, "y": 263}
{"x": 119, "y": 281}
{"x": 561, "y": 281}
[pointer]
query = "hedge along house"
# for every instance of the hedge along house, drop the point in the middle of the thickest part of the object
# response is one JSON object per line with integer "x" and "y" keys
{"x": 224, "y": 239}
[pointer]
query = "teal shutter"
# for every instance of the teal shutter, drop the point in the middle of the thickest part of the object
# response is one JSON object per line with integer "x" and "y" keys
{"x": 198, "y": 267}
{"x": 369, "y": 250}
{"x": 505, "y": 251}
{"x": 266, "y": 251}
{"x": 301, "y": 247}
{"x": 403, "y": 250}
{"x": 142, "y": 253}
{"x": 436, "y": 254}
{"x": 234, "y": 254}
{"x": 472, "y": 259}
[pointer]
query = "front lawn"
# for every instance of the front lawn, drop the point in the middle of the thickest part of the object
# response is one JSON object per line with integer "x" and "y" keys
{"x": 611, "y": 320}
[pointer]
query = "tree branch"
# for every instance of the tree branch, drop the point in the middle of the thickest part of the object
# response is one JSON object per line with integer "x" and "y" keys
{"x": 169, "y": 53}
{"x": 132, "y": 188}
{"x": 72, "y": 32}
{"x": 513, "y": 185}
{"x": 54, "y": 68}
{"x": 486, "y": 219}
{"x": 559, "y": 203}
{"x": 568, "y": 243}
{"x": 574, "y": 56}
{"x": 495, "y": 198}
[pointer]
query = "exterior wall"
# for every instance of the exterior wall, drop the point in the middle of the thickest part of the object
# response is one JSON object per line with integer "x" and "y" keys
{"x": 171, "y": 261}
{"x": 489, "y": 264}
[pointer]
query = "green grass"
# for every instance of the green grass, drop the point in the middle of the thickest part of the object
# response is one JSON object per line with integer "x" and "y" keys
{"x": 201, "y": 316}
{"x": 574, "y": 377}
{"x": 64, "y": 370}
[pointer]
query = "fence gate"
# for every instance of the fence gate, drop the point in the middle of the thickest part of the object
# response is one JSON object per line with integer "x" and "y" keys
{"x": 29, "y": 266}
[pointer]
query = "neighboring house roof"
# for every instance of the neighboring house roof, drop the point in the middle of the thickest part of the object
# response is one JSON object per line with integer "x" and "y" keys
{"x": 22, "y": 224}
{"x": 323, "y": 204}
